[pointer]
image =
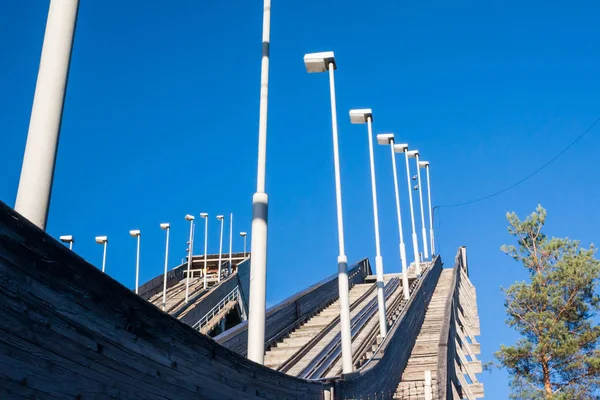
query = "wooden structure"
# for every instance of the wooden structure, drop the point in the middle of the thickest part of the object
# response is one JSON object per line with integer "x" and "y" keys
{"x": 69, "y": 331}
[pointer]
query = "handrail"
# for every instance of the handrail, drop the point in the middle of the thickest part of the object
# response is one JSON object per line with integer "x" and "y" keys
{"x": 331, "y": 353}
{"x": 302, "y": 351}
{"x": 231, "y": 296}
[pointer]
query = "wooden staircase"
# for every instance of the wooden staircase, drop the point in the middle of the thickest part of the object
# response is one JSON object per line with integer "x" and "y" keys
{"x": 424, "y": 355}
{"x": 279, "y": 353}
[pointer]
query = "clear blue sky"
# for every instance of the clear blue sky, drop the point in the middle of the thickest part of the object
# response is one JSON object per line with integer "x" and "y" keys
{"x": 161, "y": 119}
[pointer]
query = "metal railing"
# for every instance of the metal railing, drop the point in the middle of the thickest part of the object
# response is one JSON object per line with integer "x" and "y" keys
{"x": 234, "y": 295}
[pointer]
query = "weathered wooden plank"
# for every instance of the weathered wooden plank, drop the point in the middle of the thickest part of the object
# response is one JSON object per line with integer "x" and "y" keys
{"x": 88, "y": 328}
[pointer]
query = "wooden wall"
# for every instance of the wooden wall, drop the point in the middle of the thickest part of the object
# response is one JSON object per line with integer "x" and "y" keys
{"x": 296, "y": 308}
{"x": 69, "y": 331}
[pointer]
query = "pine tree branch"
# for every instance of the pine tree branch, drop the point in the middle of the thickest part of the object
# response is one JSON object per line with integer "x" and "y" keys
{"x": 574, "y": 380}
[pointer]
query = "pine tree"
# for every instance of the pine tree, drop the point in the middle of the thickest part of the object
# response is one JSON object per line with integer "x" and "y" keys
{"x": 558, "y": 354}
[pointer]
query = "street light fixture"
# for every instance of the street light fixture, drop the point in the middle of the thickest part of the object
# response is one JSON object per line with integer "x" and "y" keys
{"x": 190, "y": 218}
{"x": 388, "y": 139}
{"x": 68, "y": 239}
{"x": 220, "y": 218}
{"x": 136, "y": 233}
{"x": 260, "y": 208}
{"x": 205, "y": 216}
{"x": 244, "y": 234}
{"x": 321, "y": 62}
{"x": 415, "y": 154}
{"x": 360, "y": 117}
{"x": 425, "y": 164}
{"x": 165, "y": 226}
{"x": 103, "y": 240}
{"x": 404, "y": 149}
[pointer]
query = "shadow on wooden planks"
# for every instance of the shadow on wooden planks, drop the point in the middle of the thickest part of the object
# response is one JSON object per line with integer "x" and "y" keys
{"x": 67, "y": 330}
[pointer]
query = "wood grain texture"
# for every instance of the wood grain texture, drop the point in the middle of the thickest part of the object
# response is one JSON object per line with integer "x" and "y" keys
{"x": 70, "y": 331}
{"x": 285, "y": 316}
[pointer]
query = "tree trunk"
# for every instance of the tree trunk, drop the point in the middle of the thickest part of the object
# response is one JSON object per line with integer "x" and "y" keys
{"x": 547, "y": 385}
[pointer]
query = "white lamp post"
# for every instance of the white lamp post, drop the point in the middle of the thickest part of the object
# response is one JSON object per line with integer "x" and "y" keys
{"x": 190, "y": 218}
{"x": 165, "y": 226}
{"x": 260, "y": 205}
{"x": 407, "y": 153}
{"x": 68, "y": 239}
{"x": 136, "y": 233}
{"x": 388, "y": 139}
{"x": 425, "y": 164}
{"x": 423, "y": 230}
{"x": 220, "y": 218}
{"x": 205, "y": 216}
{"x": 103, "y": 240}
{"x": 244, "y": 234}
{"x": 230, "y": 240}
{"x": 37, "y": 171}
{"x": 360, "y": 117}
{"x": 322, "y": 62}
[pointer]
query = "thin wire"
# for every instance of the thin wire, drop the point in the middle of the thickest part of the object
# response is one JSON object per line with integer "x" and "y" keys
{"x": 525, "y": 178}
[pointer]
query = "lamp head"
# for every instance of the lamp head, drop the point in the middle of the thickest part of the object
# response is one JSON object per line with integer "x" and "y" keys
{"x": 400, "y": 148}
{"x": 101, "y": 239}
{"x": 165, "y": 225}
{"x": 204, "y": 215}
{"x": 67, "y": 239}
{"x": 189, "y": 217}
{"x": 219, "y": 217}
{"x": 361, "y": 116}
{"x": 385, "y": 138}
{"x": 243, "y": 233}
{"x": 135, "y": 232}
{"x": 413, "y": 154}
{"x": 319, "y": 62}
{"x": 423, "y": 164}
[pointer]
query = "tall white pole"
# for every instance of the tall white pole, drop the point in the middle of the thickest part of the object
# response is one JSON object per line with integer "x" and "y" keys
{"x": 405, "y": 286}
{"x": 244, "y": 246}
{"x": 37, "y": 171}
{"x": 137, "y": 265}
{"x": 423, "y": 231}
{"x": 378, "y": 258}
{"x": 260, "y": 204}
{"x": 104, "y": 256}
{"x": 342, "y": 259}
{"x": 220, "y": 250}
{"x": 230, "y": 240}
{"x": 189, "y": 263}
{"x": 205, "y": 284}
{"x": 71, "y": 242}
{"x": 430, "y": 213}
{"x": 166, "y": 268}
{"x": 412, "y": 219}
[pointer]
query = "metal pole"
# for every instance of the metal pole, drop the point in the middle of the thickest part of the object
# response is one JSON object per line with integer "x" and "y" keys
{"x": 244, "y": 246}
{"x": 71, "y": 245}
{"x": 412, "y": 219}
{"x": 260, "y": 204}
{"x": 342, "y": 259}
{"x": 405, "y": 286}
{"x": 220, "y": 250}
{"x": 37, "y": 171}
{"x": 430, "y": 213}
{"x": 137, "y": 265}
{"x": 205, "y": 252}
{"x": 104, "y": 257}
{"x": 378, "y": 258}
{"x": 166, "y": 267}
{"x": 189, "y": 263}
{"x": 230, "y": 240}
{"x": 423, "y": 231}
